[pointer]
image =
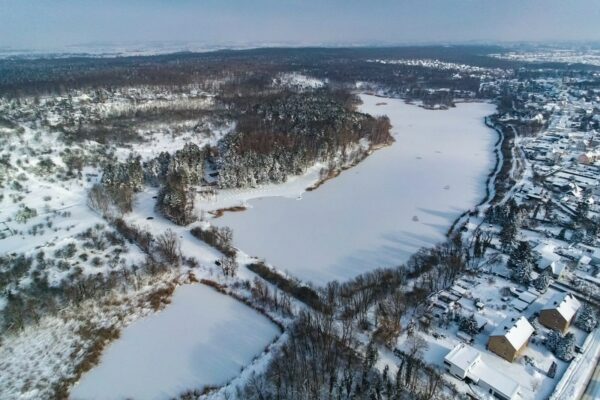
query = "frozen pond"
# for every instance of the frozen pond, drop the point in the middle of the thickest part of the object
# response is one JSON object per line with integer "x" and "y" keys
{"x": 378, "y": 213}
{"x": 202, "y": 338}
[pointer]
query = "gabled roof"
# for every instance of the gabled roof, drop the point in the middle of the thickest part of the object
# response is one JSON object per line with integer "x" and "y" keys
{"x": 557, "y": 267}
{"x": 565, "y": 303}
{"x": 516, "y": 332}
{"x": 545, "y": 248}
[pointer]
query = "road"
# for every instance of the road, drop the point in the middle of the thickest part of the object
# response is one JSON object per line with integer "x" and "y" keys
{"x": 576, "y": 377}
{"x": 593, "y": 389}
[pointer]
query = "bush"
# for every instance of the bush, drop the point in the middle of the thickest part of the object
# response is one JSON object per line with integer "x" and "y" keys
{"x": 134, "y": 235}
{"x": 219, "y": 238}
{"x": 303, "y": 293}
{"x": 587, "y": 318}
{"x": 25, "y": 214}
{"x": 167, "y": 245}
{"x": 562, "y": 346}
{"x": 468, "y": 325}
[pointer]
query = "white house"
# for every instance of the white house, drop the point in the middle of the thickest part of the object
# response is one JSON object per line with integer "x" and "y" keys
{"x": 547, "y": 255}
{"x": 495, "y": 383}
{"x": 557, "y": 268}
{"x": 584, "y": 262}
{"x": 464, "y": 362}
{"x": 461, "y": 359}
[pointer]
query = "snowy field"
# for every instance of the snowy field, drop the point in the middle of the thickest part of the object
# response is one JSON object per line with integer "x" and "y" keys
{"x": 202, "y": 338}
{"x": 381, "y": 211}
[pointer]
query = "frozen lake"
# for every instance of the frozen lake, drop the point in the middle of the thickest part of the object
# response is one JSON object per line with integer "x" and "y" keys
{"x": 202, "y": 338}
{"x": 381, "y": 211}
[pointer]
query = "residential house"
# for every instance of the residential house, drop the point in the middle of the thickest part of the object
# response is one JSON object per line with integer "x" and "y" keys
{"x": 465, "y": 363}
{"x": 559, "y": 311}
{"x": 510, "y": 338}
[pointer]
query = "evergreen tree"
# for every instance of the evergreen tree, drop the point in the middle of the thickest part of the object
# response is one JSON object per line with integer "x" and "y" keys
{"x": 522, "y": 273}
{"x": 593, "y": 228}
{"x": 371, "y": 356}
{"x": 128, "y": 174}
{"x": 542, "y": 282}
{"x": 508, "y": 235}
{"x": 565, "y": 349}
{"x": 523, "y": 254}
{"x": 587, "y": 318}
{"x": 522, "y": 260}
{"x": 469, "y": 325}
{"x": 577, "y": 236}
{"x": 176, "y": 199}
{"x": 582, "y": 210}
{"x": 477, "y": 246}
{"x": 552, "y": 340}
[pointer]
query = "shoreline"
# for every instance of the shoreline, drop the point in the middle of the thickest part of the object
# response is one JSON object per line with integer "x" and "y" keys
{"x": 395, "y": 186}
{"x": 218, "y": 213}
{"x": 335, "y": 172}
{"x": 491, "y": 176}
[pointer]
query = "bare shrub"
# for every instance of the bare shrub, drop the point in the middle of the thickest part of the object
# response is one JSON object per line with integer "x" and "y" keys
{"x": 98, "y": 199}
{"x": 169, "y": 247}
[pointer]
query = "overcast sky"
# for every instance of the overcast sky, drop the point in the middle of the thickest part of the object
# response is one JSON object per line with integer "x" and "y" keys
{"x": 55, "y": 24}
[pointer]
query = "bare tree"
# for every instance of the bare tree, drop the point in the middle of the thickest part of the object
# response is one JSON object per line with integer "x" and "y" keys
{"x": 98, "y": 199}
{"x": 229, "y": 266}
{"x": 416, "y": 345}
{"x": 168, "y": 246}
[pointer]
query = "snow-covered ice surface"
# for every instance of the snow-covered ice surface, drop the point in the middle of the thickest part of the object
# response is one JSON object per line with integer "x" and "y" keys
{"x": 379, "y": 212}
{"x": 202, "y": 338}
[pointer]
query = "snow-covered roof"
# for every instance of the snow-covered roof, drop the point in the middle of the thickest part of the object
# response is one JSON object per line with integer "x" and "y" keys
{"x": 527, "y": 297}
{"x": 545, "y": 248}
{"x": 584, "y": 260}
{"x": 519, "y": 305}
{"x": 463, "y": 356}
{"x": 500, "y": 382}
{"x": 458, "y": 289}
{"x": 565, "y": 303}
{"x": 546, "y": 258}
{"x": 516, "y": 332}
{"x": 481, "y": 320}
{"x": 557, "y": 267}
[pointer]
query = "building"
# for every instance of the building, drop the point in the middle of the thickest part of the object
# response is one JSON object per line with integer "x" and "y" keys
{"x": 510, "y": 338}
{"x": 556, "y": 268}
{"x": 584, "y": 262}
{"x": 595, "y": 257}
{"x": 465, "y": 363}
{"x": 559, "y": 311}
{"x": 547, "y": 255}
{"x": 460, "y": 360}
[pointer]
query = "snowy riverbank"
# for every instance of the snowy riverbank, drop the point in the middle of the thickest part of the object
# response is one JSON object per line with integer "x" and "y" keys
{"x": 378, "y": 213}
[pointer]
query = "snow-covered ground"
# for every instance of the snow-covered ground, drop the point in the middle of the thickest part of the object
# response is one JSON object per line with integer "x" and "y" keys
{"x": 298, "y": 81}
{"x": 202, "y": 338}
{"x": 381, "y": 211}
{"x": 569, "y": 56}
{"x": 529, "y": 370}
